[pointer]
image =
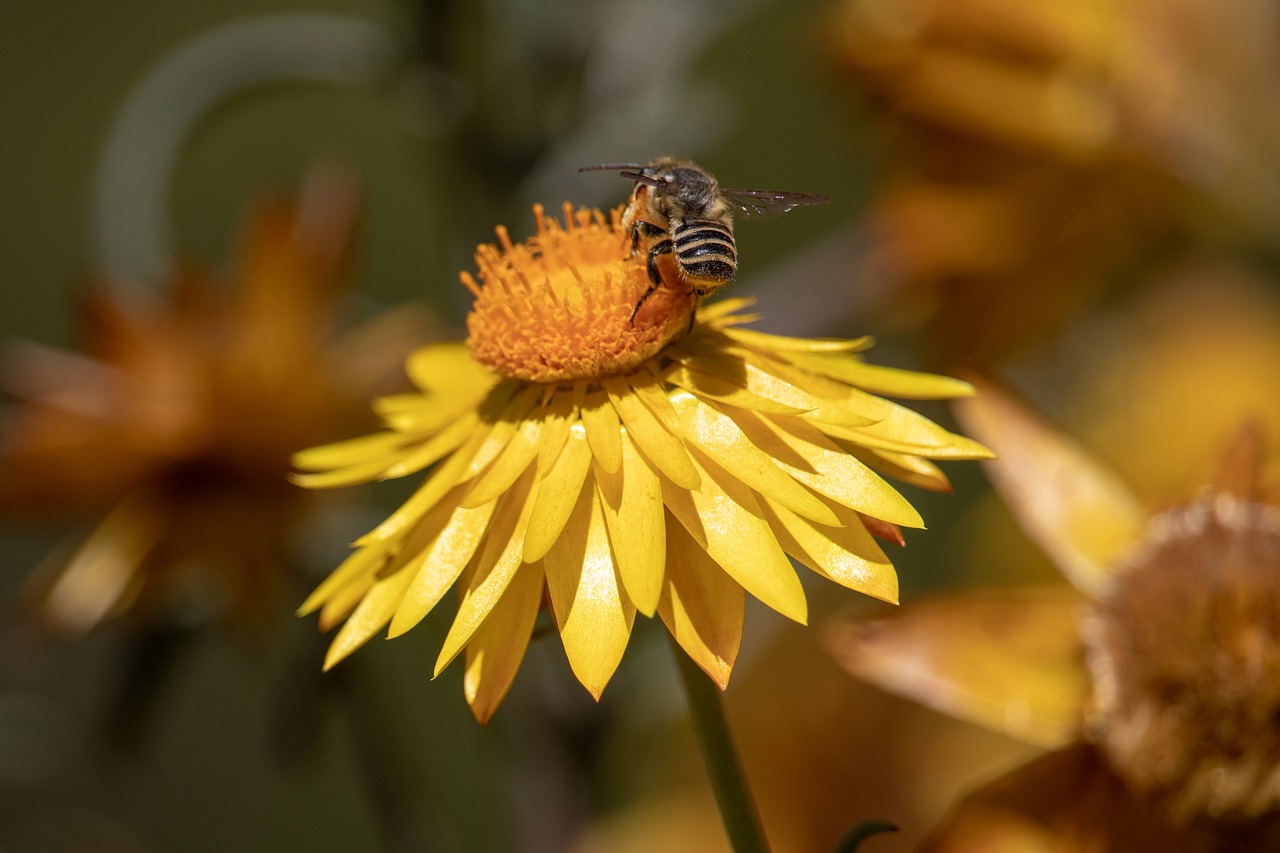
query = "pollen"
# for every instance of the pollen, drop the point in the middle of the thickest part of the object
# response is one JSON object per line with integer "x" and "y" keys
{"x": 557, "y": 307}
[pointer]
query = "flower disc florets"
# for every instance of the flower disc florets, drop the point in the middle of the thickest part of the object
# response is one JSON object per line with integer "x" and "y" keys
{"x": 558, "y": 306}
{"x": 1185, "y": 652}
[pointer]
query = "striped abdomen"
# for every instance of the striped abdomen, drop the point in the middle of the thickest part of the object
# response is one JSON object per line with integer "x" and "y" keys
{"x": 705, "y": 252}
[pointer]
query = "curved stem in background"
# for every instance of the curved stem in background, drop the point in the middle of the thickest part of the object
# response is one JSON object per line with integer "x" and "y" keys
{"x": 130, "y": 220}
{"x": 724, "y": 770}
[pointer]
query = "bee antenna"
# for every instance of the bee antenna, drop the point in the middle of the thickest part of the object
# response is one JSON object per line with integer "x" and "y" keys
{"x": 641, "y": 178}
{"x": 611, "y": 167}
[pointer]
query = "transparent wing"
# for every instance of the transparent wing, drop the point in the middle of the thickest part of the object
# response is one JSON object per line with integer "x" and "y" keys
{"x": 766, "y": 204}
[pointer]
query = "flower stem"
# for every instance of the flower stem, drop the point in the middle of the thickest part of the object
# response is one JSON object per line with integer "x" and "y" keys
{"x": 724, "y": 770}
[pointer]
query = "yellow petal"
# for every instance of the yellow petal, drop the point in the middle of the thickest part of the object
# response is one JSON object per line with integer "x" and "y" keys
{"x": 701, "y": 606}
{"x": 353, "y": 451}
{"x": 435, "y": 448}
{"x": 504, "y": 428}
{"x": 717, "y": 435}
{"x": 594, "y": 615}
{"x": 808, "y": 456}
{"x": 709, "y": 386}
{"x": 901, "y": 466}
{"x": 518, "y": 455}
{"x": 773, "y": 343}
{"x": 1010, "y": 660}
{"x": 847, "y": 554}
{"x": 632, "y": 504}
{"x": 494, "y": 653}
{"x": 738, "y": 538}
{"x": 446, "y": 369}
{"x": 102, "y": 568}
{"x": 495, "y": 565}
{"x": 601, "y": 420}
{"x": 370, "y": 616}
{"x": 664, "y": 450}
{"x": 558, "y": 494}
{"x": 559, "y": 415}
{"x": 436, "y": 567}
{"x": 344, "y": 600}
{"x": 363, "y": 561}
{"x": 708, "y": 313}
{"x": 436, "y": 486}
{"x": 1082, "y": 515}
{"x": 889, "y": 381}
{"x": 339, "y": 477}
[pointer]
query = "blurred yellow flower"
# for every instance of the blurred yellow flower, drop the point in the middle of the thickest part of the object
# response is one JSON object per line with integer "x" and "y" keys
{"x": 1044, "y": 148}
{"x": 610, "y": 467}
{"x": 1154, "y": 673}
{"x": 176, "y": 424}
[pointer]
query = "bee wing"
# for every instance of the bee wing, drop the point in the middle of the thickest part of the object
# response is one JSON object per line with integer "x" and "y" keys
{"x": 766, "y": 204}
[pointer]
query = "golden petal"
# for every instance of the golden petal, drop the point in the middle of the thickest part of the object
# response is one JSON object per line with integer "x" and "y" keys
{"x": 558, "y": 417}
{"x": 373, "y": 612}
{"x": 351, "y": 475}
{"x": 900, "y": 466}
{"x": 774, "y": 343}
{"x": 354, "y": 451}
{"x": 493, "y": 656}
{"x": 437, "y": 567}
{"x": 738, "y": 538}
{"x": 593, "y": 613}
{"x": 718, "y": 310}
{"x": 711, "y": 387}
{"x": 436, "y": 486}
{"x": 558, "y": 494}
{"x": 664, "y": 450}
{"x": 435, "y": 448}
{"x": 826, "y": 469}
{"x": 503, "y": 429}
{"x": 889, "y": 381}
{"x": 363, "y": 561}
{"x": 446, "y": 369}
{"x": 344, "y": 600}
{"x": 601, "y": 420}
{"x": 701, "y": 606}
{"x": 716, "y": 434}
{"x": 632, "y": 504}
{"x": 517, "y": 456}
{"x": 847, "y": 555}
{"x": 1010, "y": 660}
{"x": 1082, "y": 515}
{"x": 500, "y": 555}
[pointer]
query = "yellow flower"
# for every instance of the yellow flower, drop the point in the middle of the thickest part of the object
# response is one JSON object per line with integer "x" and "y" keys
{"x": 609, "y": 468}
{"x": 175, "y": 427}
{"x": 1153, "y": 675}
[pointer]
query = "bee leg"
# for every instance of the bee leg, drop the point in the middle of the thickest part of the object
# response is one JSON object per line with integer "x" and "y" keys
{"x": 648, "y": 229}
{"x": 655, "y": 276}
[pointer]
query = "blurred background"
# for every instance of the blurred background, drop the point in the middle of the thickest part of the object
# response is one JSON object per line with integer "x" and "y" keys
{"x": 1080, "y": 196}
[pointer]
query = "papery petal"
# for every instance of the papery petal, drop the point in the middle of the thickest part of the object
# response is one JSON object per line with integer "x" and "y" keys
{"x": 558, "y": 494}
{"x": 808, "y": 456}
{"x": 632, "y": 504}
{"x": 711, "y": 387}
{"x": 438, "y": 565}
{"x": 715, "y": 433}
{"x": 845, "y": 554}
{"x": 518, "y": 455}
{"x": 664, "y": 450}
{"x": 374, "y": 612}
{"x": 1010, "y": 660}
{"x": 601, "y": 420}
{"x": 889, "y": 381}
{"x": 495, "y": 565}
{"x": 738, "y": 537}
{"x": 773, "y": 343}
{"x": 701, "y": 606}
{"x": 354, "y": 451}
{"x": 363, "y": 561}
{"x": 493, "y": 656}
{"x": 1082, "y": 515}
{"x": 594, "y": 615}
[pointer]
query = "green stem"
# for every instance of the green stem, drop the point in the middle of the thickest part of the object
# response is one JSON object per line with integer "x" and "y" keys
{"x": 724, "y": 770}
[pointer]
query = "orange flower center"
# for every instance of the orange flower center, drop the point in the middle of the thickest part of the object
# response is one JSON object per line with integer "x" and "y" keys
{"x": 558, "y": 306}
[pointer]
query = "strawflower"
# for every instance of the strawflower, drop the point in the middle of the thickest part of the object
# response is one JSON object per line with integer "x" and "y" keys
{"x": 175, "y": 425}
{"x": 1152, "y": 676}
{"x": 604, "y": 468}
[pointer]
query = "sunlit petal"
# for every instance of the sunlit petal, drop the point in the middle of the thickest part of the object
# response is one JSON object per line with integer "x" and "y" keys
{"x": 632, "y": 504}
{"x": 701, "y": 606}
{"x": 493, "y": 656}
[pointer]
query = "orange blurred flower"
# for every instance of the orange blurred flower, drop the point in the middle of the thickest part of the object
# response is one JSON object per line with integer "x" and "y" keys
{"x": 1154, "y": 674}
{"x": 1042, "y": 148}
{"x": 176, "y": 423}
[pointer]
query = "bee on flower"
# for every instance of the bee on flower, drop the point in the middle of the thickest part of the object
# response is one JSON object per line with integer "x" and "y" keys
{"x": 591, "y": 455}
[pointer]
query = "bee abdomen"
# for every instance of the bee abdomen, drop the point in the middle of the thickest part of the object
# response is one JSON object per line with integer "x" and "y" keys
{"x": 705, "y": 250}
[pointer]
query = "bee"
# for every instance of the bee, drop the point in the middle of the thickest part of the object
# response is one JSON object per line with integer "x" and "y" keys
{"x": 681, "y": 210}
